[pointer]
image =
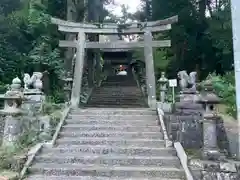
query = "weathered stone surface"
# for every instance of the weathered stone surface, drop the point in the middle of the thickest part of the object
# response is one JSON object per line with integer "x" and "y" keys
{"x": 188, "y": 105}
{"x": 186, "y": 128}
{"x": 228, "y": 167}
{"x": 110, "y": 148}
{"x": 216, "y": 170}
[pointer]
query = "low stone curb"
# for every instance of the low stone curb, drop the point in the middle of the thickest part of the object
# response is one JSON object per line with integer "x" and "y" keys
{"x": 31, "y": 155}
{"x": 183, "y": 159}
{"x": 160, "y": 112}
{"x": 177, "y": 145}
{"x": 60, "y": 124}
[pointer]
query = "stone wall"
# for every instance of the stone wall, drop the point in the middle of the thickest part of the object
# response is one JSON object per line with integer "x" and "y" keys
{"x": 185, "y": 126}
{"x": 186, "y": 129}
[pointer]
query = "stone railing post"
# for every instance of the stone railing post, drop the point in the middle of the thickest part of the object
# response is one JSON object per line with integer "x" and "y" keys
{"x": 163, "y": 87}
{"x": 68, "y": 87}
{"x": 209, "y": 100}
{"x": 12, "y": 113}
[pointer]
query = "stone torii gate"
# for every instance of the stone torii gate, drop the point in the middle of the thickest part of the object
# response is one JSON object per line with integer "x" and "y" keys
{"x": 145, "y": 28}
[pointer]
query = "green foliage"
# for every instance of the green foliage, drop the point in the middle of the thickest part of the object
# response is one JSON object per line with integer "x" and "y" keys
{"x": 28, "y": 42}
{"x": 55, "y": 118}
{"x": 224, "y": 87}
{"x": 10, "y": 161}
{"x": 29, "y": 138}
{"x": 50, "y": 107}
{"x": 160, "y": 59}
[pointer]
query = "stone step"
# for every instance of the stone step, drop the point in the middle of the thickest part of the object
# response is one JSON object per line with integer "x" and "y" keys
{"x": 107, "y": 171}
{"x": 121, "y": 84}
{"x": 77, "y": 127}
{"x": 126, "y": 91}
{"x": 109, "y": 150}
{"x": 130, "y": 86}
{"x": 117, "y": 117}
{"x": 111, "y": 122}
{"x": 113, "y": 141}
{"x": 114, "y": 101}
{"x": 44, "y": 177}
{"x": 110, "y": 160}
{"x": 116, "y": 111}
{"x": 127, "y": 135}
{"x": 111, "y": 99}
{"x": 124, "y": 95}
{"x": 118, "y": 90}
{"x": 114, "y": 105}
{"x": 118, "y": 121}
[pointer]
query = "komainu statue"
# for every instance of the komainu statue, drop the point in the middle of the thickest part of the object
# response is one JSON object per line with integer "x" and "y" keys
{"x": 33, "y": 81}
{"x": 187, "y": 82}
{"x": 26, "y": 80}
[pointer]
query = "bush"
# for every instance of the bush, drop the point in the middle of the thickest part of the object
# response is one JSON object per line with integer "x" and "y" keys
{"x": 224, "y": 87}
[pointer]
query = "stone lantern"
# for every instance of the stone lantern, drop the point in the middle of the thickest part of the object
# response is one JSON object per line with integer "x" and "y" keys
{"x": 12, "y": 113}
{"x": 209, "y": 100}
{"x": 68, "y": 87}
{"x": 163, "y": 87}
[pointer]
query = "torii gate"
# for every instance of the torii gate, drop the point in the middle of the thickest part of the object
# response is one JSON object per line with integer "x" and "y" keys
{"x": 146, "y": 28}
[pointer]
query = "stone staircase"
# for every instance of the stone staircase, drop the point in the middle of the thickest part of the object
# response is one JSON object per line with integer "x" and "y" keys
{"x": 108, "y": 144}
{"x": 117, "y": 91}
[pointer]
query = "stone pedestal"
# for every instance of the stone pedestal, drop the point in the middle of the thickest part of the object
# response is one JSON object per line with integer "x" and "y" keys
{"x": 208, "y": 99}
{"x": 33, "y": 100}
{"x": 210, "y": 149}
{"x": 189, "y": 95}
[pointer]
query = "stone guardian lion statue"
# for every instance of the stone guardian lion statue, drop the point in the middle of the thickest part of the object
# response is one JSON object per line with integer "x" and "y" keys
{"x": 187, "y": 82}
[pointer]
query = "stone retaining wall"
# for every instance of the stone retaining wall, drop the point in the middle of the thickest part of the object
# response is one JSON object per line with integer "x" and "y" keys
{"x": 185, "y": 126}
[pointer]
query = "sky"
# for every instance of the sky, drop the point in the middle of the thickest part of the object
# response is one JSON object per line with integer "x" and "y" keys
{"x": 132, "y": 4}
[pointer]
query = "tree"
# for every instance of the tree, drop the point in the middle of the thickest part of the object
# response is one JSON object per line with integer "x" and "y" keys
{"x": 201, "y": 38}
